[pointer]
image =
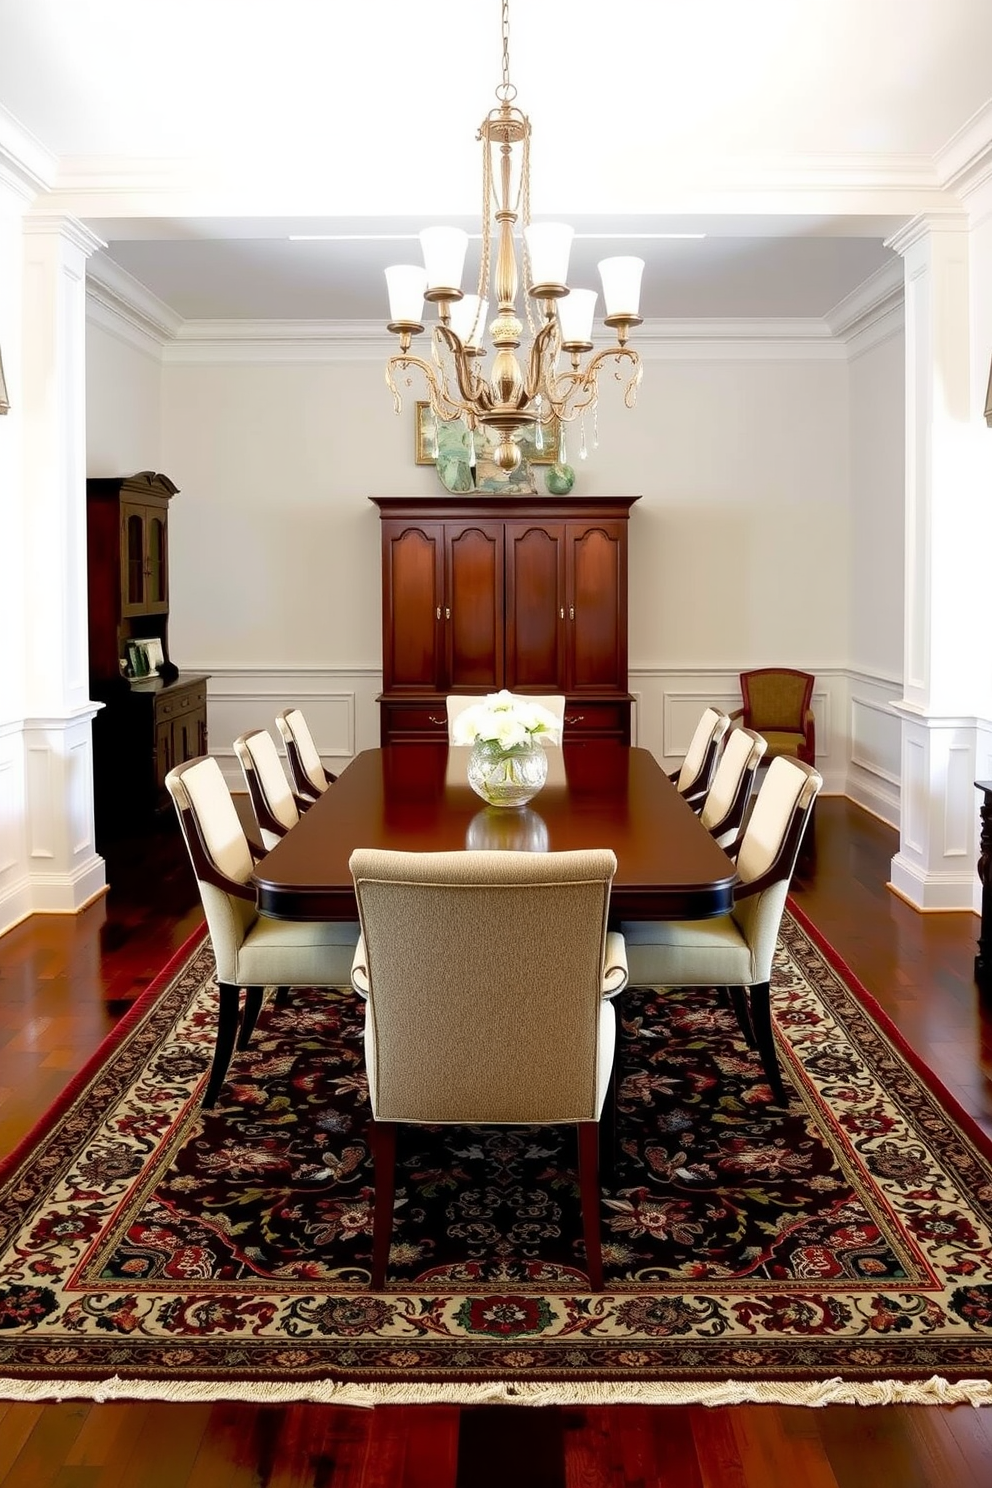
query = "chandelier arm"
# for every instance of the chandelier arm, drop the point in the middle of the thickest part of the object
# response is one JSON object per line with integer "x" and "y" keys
{"x": 475, "y": 390}
{"x": 444, "y": 405}
{"x": 538, "y": 374}
{"x": 572, "y": 392}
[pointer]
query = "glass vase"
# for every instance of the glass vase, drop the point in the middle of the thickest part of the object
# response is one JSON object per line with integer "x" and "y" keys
{"x": 507, "y": 777}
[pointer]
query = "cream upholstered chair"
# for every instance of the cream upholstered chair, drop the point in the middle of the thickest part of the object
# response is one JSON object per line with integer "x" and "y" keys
{"x": 695, "y": 773}
{"x": 251, "y": 951}
{"x": 488, "y": 977}
{"x": 736, "y": 950}
{"x": 271, "y": 798}
{"x": 457, "y": 702}
{"x": 727, "y": 799}
{"x": 310, "y": 779}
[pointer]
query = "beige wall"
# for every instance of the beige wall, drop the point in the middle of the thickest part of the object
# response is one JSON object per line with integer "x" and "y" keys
{"x": 742, "y": 468}
{"x": 123, "y": 405}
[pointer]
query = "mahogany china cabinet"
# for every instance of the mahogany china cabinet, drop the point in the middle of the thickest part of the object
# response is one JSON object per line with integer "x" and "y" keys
{"x": 150, "y": 722}
{"x": 524, "y": 592}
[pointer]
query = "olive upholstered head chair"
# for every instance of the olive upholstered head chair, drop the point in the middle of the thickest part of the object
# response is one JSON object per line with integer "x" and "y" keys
{"x": 488, "y": 977}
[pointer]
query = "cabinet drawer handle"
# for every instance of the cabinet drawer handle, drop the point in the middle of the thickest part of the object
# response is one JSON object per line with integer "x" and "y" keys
{"x": 561, "y": 612}
{"x": 575, "y": 718}
{"x": 437, "y": 613}
{"x": 571, "y": 612}
{"x": 447, "y": 612}
{"x": 438, "y": 721}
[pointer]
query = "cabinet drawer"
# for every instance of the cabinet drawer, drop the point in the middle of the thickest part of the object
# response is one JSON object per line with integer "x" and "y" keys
{"x": 183, "y": 700}
{"x": 413, "y": 720}
{"x": 602, "y": 719}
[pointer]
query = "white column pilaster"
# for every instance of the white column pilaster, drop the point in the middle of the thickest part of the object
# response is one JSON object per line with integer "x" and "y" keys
{"x": 64, "y": 867}
{"x": 944, "y": 689}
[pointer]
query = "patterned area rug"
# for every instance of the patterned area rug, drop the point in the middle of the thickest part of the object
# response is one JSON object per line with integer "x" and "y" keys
{"x": 837, "y": 1249}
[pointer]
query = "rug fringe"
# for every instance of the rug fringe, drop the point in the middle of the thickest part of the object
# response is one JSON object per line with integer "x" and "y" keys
{"x": 818, "y": 1393}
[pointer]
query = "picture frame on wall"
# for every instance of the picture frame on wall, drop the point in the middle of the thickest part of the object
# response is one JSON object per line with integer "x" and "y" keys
{"x": 431, "y": 435}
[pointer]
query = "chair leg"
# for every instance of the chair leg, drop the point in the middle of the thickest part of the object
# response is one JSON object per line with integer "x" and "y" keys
{"x": 227, "y": 1028}
{"x": 738, "y": 1002}
{"x": 590, "y": 1199}
{"x": 383, "y": 1138}
{"x": 282, "y": 996}
{"x": 761, "y": 1022}
{"x": 253, "y": 1006}
{"x": 608, "y": 1132}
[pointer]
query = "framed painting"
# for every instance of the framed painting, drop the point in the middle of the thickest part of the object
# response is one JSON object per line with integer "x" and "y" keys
{"x": 441, "y": 434}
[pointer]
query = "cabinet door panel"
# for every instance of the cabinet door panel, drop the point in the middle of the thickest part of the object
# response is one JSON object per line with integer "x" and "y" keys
{"x": 412, "y": 600}
{"x": 473, "y": 606}
{"x": 535, "y": 587}
{"x": 132, "y": 560}
{"x": 596, "y": 607}
{"x": 156, "y": 576}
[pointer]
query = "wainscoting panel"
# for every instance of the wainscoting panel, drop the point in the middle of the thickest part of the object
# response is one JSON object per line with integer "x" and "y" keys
{"x": 857, "y": 747}
{"x": 875, "y": 747}
{"x": 339, "y": 706}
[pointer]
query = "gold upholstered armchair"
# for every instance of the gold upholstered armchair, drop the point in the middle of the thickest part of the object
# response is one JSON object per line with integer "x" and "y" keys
{"x": 488, "y": 977}
{"x": 777, "y": 704}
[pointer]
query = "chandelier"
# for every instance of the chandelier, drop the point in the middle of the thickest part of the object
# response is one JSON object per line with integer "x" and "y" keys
{"x": 511, "y": 399}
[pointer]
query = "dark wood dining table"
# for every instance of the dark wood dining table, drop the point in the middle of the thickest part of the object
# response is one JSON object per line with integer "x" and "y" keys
{"x": 416, "y": 798}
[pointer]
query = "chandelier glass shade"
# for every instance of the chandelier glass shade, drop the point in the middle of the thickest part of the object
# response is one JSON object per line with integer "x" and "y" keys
{"x": 551, "y": 380}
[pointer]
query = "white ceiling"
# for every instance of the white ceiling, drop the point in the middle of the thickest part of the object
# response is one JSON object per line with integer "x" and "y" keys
{"x": 195, "y": 136}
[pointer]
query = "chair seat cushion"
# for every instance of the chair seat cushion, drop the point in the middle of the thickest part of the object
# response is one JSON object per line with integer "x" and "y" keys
{"x": 297, "y": 953}
{"x": 687, "y": 953}
{"x": 782, "y": 743}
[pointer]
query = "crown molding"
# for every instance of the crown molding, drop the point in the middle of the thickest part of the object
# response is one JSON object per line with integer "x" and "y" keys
{"x": 855, "y": 184}
{"x": 44, "y": 224}
{"x": 871, "y": 313}
{"x": 26, "y": 167}
{"x": 924, "y": 223}
{"x": 965, "y": 162}
{"x": 121, "y": 305}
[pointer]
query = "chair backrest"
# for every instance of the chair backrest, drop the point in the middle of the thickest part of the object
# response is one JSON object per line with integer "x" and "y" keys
{"x": 776, "y": 698}
{"x": 769, "y": 848}
{"x": 485, "y": 975}
{"x": 700, "y": 758}
{"x": 728, "y": 796}
{"x": 271, "y": 798}
{"x": 219, "y": 852}
{"x": 309, "y": 775}
{"x": 457, "y": 702}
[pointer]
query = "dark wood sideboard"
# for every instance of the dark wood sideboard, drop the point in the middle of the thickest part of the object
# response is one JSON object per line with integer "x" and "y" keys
{"x": 146, "y": 724}
{"x": 524, "y": 592}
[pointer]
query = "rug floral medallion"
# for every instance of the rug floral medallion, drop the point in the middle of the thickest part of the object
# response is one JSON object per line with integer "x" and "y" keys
{"x": 845, "y": 1237}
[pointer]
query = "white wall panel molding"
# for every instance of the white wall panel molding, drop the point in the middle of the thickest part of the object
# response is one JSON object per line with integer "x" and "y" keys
{"x": 941, "y": 756}
{"x": 339, "y": 704}
{"x": 48, "y": 858}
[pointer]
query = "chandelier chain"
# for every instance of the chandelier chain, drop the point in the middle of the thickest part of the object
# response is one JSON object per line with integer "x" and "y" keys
{"x": 506, "y": 92}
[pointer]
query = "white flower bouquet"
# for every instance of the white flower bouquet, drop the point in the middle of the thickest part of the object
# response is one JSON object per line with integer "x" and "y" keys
{"x": 506, "y": 720}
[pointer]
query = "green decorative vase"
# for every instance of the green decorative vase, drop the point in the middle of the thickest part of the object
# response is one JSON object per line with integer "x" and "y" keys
{"x": 559, "y": 479}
